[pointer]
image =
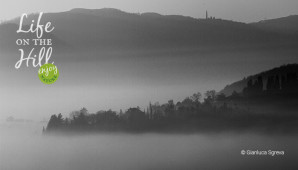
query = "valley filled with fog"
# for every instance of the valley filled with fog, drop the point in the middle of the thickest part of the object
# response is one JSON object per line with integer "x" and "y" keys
{"x": 24, "y": 147}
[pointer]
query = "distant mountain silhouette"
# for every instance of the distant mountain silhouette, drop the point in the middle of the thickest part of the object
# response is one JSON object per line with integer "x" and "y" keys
{"x": 99, "y": 12}
{"x": 285, "y": 25}
{"x": 104, "y": 29}
{"x": 277, "y": 75}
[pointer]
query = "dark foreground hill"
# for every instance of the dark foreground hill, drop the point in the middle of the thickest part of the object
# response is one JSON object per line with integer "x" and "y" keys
{"x": 278, "y": 77}
{"x": 271, "y": 92}
{"x": 268, "y": 104}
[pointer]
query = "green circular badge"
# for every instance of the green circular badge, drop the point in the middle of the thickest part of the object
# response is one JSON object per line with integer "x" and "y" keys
{"x": 48, "y": 73}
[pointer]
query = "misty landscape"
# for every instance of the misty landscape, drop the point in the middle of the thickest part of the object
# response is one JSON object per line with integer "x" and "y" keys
{"x": 151, "y": 91}
{"x": 266, "y": 103}
{"x": 28, "y": 149}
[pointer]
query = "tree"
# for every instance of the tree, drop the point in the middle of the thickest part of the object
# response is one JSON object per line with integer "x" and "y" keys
{"x": 80, "y": 121}
{"x": 77, "y": 113}
{"x": 210, "y": 95}
{"x": 84, "y": 111}
{"x": 74, "y": 114}
{"x": 221, "y": 97}
{"x": 235, "y": 95}
{"x": 196, "y": 97}
{"x": 135, "y": 115}
{"x": 106, "y": 116}
{"x": 187, "y": 101}
{"x": 170, "y": 109}
{"x": 56, "y": 122}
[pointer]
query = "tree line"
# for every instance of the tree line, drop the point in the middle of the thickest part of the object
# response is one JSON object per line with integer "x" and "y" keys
{"x": 194, "y": 113}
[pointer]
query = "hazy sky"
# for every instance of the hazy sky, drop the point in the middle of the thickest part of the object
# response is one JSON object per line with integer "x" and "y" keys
{"x": 238, "y": 10}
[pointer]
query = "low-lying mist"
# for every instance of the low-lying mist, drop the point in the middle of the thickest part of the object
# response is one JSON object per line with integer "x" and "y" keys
{"x": 23, "y": 147}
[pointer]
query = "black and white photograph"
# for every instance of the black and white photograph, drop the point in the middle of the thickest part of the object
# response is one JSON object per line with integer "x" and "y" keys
{"x": 148, "y": 85}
